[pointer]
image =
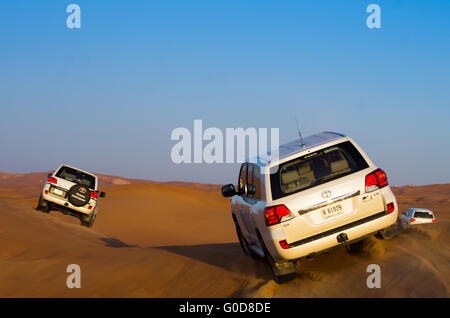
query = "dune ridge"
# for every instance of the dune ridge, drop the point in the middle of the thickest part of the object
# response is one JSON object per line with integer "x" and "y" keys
{"x": 37, "y": 178}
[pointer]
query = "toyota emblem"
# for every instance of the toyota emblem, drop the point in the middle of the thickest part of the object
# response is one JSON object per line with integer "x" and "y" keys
{"x": 326, "y": 194}
{"x": 82, "y": 190}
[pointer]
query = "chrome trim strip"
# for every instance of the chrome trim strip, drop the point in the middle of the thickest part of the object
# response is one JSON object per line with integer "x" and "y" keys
{"x": 318, "y": 204}
{"x": 332, "y": 201}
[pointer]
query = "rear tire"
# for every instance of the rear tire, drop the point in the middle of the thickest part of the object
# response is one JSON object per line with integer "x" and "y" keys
{"x": 282, "y": 272}
{"x": 43, "y": 205}
{"x": 88, "y": 220}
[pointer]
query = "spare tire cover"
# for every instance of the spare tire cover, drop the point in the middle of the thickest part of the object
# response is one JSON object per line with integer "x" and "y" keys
{"x": 79, "y": 195}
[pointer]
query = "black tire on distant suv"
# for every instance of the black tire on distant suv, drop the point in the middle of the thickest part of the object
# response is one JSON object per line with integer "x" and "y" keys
{"x": 79, "y": 195}
{"x": 43, "y": 205}
{"x": 88, "y": 220}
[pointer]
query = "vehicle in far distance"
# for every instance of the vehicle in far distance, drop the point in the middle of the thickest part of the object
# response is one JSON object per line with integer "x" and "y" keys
{"x": 415, "y": 216}
{"x": 321, "y": 193}
{"x": 74, "y": 192}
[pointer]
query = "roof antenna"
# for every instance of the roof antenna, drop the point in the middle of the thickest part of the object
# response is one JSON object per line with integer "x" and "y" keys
{"x": 299, "y": 133}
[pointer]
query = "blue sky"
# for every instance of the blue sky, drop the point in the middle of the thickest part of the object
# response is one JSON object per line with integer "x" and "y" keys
{"x": 106, "y": 97}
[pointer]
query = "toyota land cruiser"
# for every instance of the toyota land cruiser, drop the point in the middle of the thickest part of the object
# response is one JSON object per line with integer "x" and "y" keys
{"x": 74, "y": 192}
{"x": 319, "y": 194}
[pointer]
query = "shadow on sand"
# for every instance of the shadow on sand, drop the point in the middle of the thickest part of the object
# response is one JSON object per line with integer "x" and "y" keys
{"x": 227, "y": 256}
{"x": 113, "y": 242}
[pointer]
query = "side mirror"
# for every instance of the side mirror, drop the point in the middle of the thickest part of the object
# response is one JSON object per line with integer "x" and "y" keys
{"x": 251, "y": 189}
{"x": 102, "y": 195}
{"x": 228, "y": 191}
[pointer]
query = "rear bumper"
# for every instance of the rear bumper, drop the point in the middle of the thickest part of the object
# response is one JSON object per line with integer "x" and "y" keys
{"x": 65, "y": 204}
{"x": 327, "y": 240}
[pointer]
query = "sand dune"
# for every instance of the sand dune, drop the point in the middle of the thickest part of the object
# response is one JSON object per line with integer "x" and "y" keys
{"x": 162, "y": 240}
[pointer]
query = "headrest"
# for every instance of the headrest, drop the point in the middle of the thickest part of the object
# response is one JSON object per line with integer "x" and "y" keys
{"x": 304, "y": 169}
{"x": 289, "y": 177}
{"x": 339, "y": 165}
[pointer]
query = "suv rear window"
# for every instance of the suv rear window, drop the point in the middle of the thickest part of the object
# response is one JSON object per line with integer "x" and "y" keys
{"x": 422, "y": 215}
{"x": 316, "y": 168}
{"x": 76, "y": 176}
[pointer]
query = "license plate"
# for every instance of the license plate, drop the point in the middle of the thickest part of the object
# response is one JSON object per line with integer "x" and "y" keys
{"x": 57, "y": 192}
{"x": 332, "y": 212}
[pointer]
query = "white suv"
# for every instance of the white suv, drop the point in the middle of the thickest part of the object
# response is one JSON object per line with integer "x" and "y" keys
{"x": 318, "y": 195}
{"x": 74, "y": 192}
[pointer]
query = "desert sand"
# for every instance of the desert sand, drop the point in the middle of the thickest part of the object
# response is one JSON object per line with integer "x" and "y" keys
{"x": 177, "y": 240}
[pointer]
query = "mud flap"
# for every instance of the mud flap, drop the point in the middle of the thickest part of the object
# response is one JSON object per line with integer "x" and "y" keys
{"x": 283, "y": 272}
{"x": 284, "y": 268}
{"x": 391, "y": 231}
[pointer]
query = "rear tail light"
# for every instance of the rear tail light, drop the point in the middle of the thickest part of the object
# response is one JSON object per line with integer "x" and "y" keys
{"x": 413, "y": 220}
{"x": 284, "y": 244}
{"x": 376, "y": 180}
{"x": 390, "y": 207}
{"x": 46, "y": 191}
{"x": 52, "y": 180}
{"x": 276, "y": 214}
{"x": 381, "y": 177}
{"x": 371, "y": 182}
{"x": 94, "y": 195}
{"x": 434, "y": 221}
